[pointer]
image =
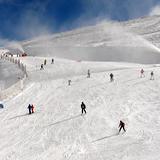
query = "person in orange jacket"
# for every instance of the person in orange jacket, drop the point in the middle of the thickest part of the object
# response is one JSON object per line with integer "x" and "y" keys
{"x": 33, "y": 108}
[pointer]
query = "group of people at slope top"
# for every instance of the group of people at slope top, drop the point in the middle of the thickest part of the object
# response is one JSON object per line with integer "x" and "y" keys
{"x": 31, "y": 108}
{"x": 45, "y": 63}
{"x": 143, "y": 75}
{"x": 121, "y": 123}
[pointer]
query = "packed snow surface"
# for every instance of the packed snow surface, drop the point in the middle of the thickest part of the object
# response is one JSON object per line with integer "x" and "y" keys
{"x": 57, "y": 131}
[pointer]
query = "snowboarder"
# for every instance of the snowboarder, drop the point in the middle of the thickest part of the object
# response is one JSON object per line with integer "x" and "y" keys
{"x": 83, "y": 107}
{"x": 52, "y": 61}
{"x": 69, "y": 82}
{"x": 29, "y": 108}
{"x": 142, "y": 73}
{"x": 88, "y": 74}
{"x": 111, "y": 77}
{"x": 41, "y": 67}
{"x": 122, "y": 125}
{"x": 45, "y": 62}
{"x": 152, "y": 76}
{"x": 32, "y": 107}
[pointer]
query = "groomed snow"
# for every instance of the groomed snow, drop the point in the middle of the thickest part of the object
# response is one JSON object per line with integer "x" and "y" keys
{"x": 57, "y": 131}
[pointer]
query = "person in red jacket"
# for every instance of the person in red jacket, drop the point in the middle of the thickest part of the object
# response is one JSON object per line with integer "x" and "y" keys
{"x": 142, "y": 73}
{"x": 122, "y": 125}
{"x": 33, "y": 108}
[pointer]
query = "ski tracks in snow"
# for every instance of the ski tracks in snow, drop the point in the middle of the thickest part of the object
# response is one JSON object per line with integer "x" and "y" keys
{"x": 57, "y": 131}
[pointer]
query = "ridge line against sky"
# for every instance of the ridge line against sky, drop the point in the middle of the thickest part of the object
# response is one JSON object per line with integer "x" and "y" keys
{"x": 23, "y": 19}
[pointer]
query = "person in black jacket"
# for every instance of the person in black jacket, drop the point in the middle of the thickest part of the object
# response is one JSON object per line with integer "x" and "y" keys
{"x": 30, "y": 109}
{"x": 41, "y": 67}
{"x": 152, "y": 76}
{"x": 69, "y": 82}
{"x": 111, "y": 77}
{"x": 122, "y": 125}
{"x": 88, "y": 74}
{"x": 52, "y": 61}
{"x": 45, "y": 62}
{"x": 83, "y": 107}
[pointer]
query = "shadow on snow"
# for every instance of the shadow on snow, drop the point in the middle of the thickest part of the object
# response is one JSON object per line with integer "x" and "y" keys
{"x": 22, "y": 115}
{"x": 65, "y": 120}
{"x": 106, "y": 137}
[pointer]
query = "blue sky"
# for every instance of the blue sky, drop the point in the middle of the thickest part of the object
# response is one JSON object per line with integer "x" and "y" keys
{"x": 23, "y": 19}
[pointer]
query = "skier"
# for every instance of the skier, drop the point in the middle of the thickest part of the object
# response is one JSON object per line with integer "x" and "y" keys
{"x": 83, "y": 107}
{"x": 111, "y": 77}
{"x": 45, "y": 62}
{"x": 88, "y": 74}
{"x": 122, "y": 125}
{"x": 52, "y": 61}
{"x": 142, "y": 73}
{"x": 29, "y": 108}
{"x": 41, "y": 67}
{"x": 1, "y": 104}
{"x": 32, "y": 107}
{"x": 69, "y": 82}
{"x": 152, "y": 76}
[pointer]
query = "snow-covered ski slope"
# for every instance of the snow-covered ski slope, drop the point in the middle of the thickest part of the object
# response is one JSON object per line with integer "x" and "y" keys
{"x": 131, "y": 41}
{"x": 57, "y": 131}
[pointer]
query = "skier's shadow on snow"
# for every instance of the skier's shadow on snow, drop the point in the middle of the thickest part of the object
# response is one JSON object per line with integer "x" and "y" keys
{"x": 68, "y": 119}
{"x": 19, "y": 116}
{"x": 22, "y": 115}
{"x": 106, "y": 137}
